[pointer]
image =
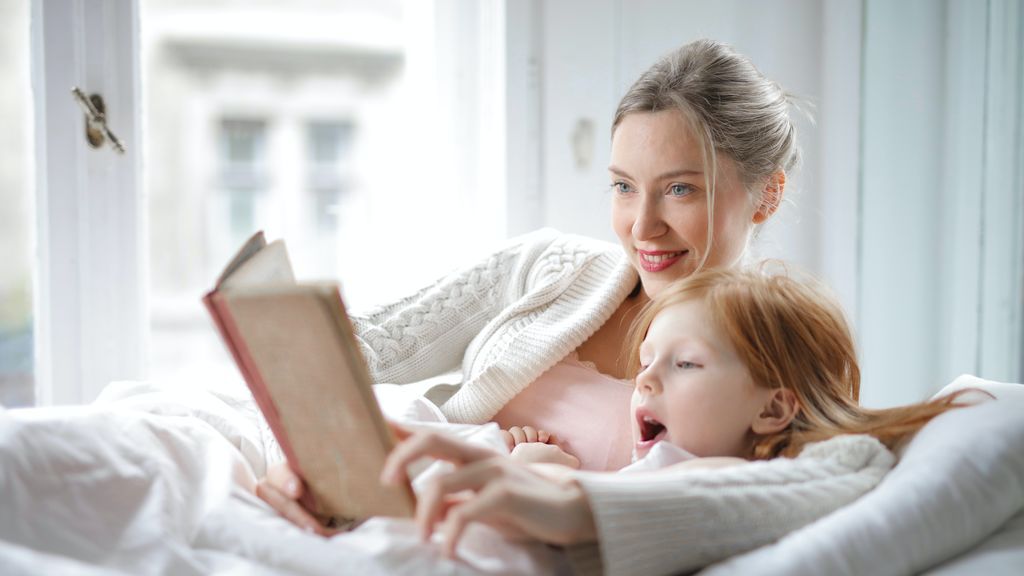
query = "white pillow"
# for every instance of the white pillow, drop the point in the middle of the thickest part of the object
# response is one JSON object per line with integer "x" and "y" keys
{"x": 958, "y": 481}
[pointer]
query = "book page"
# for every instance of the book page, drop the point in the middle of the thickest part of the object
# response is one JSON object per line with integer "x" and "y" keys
{"x": 267, "y": 266}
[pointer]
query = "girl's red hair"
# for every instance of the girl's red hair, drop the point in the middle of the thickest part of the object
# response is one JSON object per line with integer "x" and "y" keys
{"x": 792, "y": 334}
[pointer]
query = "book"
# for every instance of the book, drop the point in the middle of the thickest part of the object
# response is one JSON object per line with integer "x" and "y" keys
{"x": 296, "y": 349}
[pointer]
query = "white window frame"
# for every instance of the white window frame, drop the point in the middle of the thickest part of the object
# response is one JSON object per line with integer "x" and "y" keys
{"x": 90, "y": 233}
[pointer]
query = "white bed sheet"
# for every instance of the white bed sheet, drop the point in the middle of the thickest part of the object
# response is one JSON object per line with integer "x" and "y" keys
{"x": 156, "y": 480}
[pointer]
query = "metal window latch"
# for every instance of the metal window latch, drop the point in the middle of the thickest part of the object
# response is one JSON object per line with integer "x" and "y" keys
{"x": 96, "y": 129}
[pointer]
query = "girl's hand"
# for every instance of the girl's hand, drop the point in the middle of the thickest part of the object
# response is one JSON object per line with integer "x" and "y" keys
{"x": 491, "y": 488}
{"x": 537, "y": 453}
{"x": 282, "y": 488}
{"x": 517, "y": 435}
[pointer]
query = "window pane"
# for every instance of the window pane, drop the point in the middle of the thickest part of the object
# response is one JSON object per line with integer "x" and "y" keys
{"x": 346, "y": 128}
{"x": 17, "y": 215}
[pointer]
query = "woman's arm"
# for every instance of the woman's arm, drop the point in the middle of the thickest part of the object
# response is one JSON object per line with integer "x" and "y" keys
{"x": 676, "y": 520}
{"x": 659, "y": 522}
{"x": 427, "y": 333}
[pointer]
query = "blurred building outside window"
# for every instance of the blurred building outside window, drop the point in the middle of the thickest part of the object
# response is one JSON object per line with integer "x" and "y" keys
{"x": 338, "y": 126}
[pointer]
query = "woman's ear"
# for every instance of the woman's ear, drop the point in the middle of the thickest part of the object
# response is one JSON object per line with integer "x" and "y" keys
{"x": 771, "y": 196}
{"x": 780, "y": 409}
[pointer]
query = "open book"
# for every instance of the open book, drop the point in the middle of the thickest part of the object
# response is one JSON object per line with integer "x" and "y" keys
{"x": 295, "y": 347}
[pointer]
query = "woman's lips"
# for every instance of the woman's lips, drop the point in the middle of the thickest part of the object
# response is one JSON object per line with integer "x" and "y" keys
{"x": 658, "y": 260}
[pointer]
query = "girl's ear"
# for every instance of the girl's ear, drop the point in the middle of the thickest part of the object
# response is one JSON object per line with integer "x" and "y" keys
{"x": 780, "y": 409}
{"x": 771, "y": 196}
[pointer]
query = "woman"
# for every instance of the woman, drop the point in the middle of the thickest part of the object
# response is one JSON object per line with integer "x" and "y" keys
{"x": 700, "y": 148}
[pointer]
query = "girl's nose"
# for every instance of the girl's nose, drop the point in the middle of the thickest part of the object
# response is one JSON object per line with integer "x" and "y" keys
{"x": 647, "y": 381}
{"x": 649, "y": 222}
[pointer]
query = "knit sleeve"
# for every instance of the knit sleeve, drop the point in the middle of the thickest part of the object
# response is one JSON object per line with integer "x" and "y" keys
{"x": 427, "y": 333}
{"x": 672, "y": 521}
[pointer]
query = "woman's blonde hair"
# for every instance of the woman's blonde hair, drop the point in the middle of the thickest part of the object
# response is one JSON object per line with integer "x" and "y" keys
{"x": 791, "y": 334}
{"x": 730, "y": 107}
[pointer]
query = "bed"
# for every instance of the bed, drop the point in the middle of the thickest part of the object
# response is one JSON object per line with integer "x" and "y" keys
{"x": 156, "y": 479}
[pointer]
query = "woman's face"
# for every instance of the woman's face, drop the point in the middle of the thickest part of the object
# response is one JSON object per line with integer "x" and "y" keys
{"x": 659, "y": 208}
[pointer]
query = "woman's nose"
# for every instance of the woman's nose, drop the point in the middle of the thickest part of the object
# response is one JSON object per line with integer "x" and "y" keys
{"x": 649, "y": 222}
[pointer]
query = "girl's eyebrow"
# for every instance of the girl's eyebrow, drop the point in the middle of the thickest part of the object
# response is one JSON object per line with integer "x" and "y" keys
{"x": 665, "y": 176}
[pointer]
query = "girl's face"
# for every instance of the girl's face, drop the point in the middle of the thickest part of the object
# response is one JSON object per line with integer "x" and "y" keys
{"x": 659, "y": 209}
{"x": 692, "y": 389}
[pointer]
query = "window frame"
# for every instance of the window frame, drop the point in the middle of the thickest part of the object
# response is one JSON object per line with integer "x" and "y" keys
{"x": 90, "y": 297}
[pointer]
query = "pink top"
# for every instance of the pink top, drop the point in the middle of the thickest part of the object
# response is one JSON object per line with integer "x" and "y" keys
{"x": 587, "y": 411}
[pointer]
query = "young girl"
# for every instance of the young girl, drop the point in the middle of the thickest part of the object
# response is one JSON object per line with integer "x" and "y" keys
{"x": 731, "y": 367}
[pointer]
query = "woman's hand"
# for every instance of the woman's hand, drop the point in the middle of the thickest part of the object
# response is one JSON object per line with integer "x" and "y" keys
{"x": 282, "y": 488}
{"x": 491, "y": 488}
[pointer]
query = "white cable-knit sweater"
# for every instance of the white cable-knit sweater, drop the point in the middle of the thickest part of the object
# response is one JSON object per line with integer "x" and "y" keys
{"x": 505, "y": 320}
{"x": 668, "y": 522}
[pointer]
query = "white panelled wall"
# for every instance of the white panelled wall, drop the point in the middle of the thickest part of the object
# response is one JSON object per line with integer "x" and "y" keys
{"x": 941, "y": 195}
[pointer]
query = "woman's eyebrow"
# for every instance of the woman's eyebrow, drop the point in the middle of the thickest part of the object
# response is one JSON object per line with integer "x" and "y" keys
{"x": 665, "y": 176}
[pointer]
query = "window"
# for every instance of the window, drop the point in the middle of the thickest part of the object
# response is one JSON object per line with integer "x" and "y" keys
{"x": 17, "y": 216}
{"x": 335, "y": 126}
{"x": 243, "y": 174}
{"x": 328, "y": 157}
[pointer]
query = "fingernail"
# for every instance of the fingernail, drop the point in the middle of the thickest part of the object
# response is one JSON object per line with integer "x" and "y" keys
{"x": 309, "y": 528}
{"x": 292, "y": 487}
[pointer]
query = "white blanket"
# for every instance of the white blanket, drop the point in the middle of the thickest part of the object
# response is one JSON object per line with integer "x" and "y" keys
{"x": 154, "y": 480}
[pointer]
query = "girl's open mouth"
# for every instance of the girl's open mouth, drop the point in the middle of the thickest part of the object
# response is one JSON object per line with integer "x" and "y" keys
{"x": 651, "y": 431}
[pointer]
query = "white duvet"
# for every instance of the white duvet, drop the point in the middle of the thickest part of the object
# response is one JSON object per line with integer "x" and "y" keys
{"x": 151, "y": 480}
{"x": 157, "y": 479}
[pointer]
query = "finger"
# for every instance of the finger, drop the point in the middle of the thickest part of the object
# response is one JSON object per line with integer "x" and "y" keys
{"x": 510, "y": 441}
{"x": 531, "y": 433}
{"x": 518, "y": 434}
{"x": 489, "y": 506}
{"x": 543, "y": 436}
{"x": 400, "y": 432}
{"x": 431, "y": 504}
{"x": 290, "y": 509}
{"x": 282, "y": 477}
{"x": 430, "y": 444}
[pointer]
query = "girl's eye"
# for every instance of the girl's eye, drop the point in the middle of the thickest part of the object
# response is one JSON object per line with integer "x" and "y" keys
{"x": 686, "y": 365}
{"x": 680, "y": 189}
{"x": 622, "y": 187}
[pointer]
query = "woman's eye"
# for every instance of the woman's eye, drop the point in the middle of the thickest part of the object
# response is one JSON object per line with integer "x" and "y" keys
{"x": 680, "y": 189}
{"x": 622, "y": 187}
